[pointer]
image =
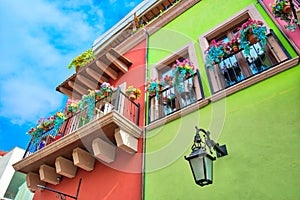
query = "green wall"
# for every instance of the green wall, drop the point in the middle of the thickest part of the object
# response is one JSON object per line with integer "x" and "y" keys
{"x": 260, "y": 125}
{"x": 198, "y": 20}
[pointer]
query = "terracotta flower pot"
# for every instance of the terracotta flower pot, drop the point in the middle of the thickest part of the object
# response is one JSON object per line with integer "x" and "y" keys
{"x": 97, "y": 98}
{"x": 235, "y": 48}
{"x": 132, "y": 96}
{"x": 287, "y": 9}
{"x": 252, "y": 39}
{"x": 77, "y": 68}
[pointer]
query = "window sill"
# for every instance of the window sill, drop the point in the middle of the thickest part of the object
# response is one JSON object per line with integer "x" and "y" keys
{"x": 222, "y": 94}
{"x": 191, "y": 108}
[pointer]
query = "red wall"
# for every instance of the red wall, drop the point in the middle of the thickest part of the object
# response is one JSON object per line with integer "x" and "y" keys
{"x": 136, "y": 74}
{"x": 122, "y": 178}
{"x": 295, "y": 36}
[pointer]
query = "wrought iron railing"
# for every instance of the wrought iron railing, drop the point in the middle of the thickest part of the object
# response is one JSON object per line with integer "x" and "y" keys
{"x": 174, "y": 98}
{"x": 118, "y": 101}
{"x": 239, "y": 66}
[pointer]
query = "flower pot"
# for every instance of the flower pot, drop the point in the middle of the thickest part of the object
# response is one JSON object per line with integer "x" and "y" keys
{"x": 252, "y": 39}
{"x": 105, "y": 93}
{"x": 132, "y": 96}
{"x": 97, "y": 98}
{"x": 77, "y": 68}
{"x": 235, "y": 48}
{"x": 287, "y": 9}
{"x": 70, "y": 114}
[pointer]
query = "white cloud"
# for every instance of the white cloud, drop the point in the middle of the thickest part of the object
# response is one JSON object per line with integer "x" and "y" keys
{"x": 25, "y": 100}
{"x": 38, "y": 40}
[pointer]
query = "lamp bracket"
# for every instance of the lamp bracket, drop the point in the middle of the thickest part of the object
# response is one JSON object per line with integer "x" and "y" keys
{"x": 207, "y": 142}
{"x": 61, "y": 195}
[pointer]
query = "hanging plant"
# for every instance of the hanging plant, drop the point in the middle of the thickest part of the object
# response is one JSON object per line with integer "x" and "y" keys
{"x": 36, "y": 134}
{"x": 133, "y": 93}
{"x": 214, "y": 53}
{"x": 59, "y": 119}
{"x": 153, "y": 87}
{"x": 88, "y": 102}
{"x": 251, "y": 32}
{"x": 180, "y": 71}
{"x": 281, "y": 9}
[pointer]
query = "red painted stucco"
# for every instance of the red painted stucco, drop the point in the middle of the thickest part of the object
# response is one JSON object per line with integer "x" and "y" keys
{"x": 136, "y": 73}
{"x": 122, "y": 178}
{"x": 295, "y": 36}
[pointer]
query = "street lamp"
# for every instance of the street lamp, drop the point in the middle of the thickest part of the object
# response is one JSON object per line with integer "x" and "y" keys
{"x": 201, "y": 162}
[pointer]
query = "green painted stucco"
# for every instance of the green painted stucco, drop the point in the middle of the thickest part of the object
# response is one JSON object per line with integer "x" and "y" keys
{"x": 260, "y": 125}
{"x": 196, "y": 21}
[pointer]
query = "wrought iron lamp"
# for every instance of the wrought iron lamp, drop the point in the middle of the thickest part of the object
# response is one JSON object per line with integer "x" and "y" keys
{"x": 200, "y": 161}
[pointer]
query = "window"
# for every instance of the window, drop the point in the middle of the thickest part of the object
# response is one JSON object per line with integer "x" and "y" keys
{"x": 239, "y": 66}
{"x": 174, "y": 97}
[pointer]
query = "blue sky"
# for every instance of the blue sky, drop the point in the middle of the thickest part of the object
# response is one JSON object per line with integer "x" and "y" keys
{"x": 38, "y": 39}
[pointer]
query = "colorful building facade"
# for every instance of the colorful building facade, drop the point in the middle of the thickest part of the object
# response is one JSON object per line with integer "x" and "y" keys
{"x": 134, "y": 149}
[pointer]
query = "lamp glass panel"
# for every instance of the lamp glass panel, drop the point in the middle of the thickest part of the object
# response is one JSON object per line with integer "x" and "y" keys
{"x": 209, "y": 168}
{"x": 197, "y": 167}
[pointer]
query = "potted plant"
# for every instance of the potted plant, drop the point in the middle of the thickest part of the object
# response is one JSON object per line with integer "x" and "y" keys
{"x": 250, "y": 33}
{"x": 281, "y": 9}
{"x": 153, "y": 87}
{"x": 98, "y": 95}
{"x": 36, "y": 134}
{"x": 133, "y": 93}
{"x": 182, "y": 70}
{"x": 71, "y": 108}
{"x": 58, "y": 120}
{"x": 45, "y": 123}
{"x": 82, "y": 60}
{"x": 234, "y": 44}
{"x": 167, "y": 80}
{"x": 214, "y": 53}
{"x": 106, "y": 89}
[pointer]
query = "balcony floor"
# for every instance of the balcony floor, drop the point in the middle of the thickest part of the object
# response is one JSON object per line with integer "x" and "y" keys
{"x": 103, "y": 127}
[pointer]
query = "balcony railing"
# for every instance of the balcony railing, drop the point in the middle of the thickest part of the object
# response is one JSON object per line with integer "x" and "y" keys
{"x": 239, "y": 66}
{"x": 118, "y": 101}
{"x": 172, "y": 99}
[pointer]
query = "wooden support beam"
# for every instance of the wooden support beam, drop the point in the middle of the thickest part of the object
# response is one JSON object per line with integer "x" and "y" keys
{"x": 65, "y": 167}
{"x": 48, "y": 174}
{"x": 125, "y": 141}
{"x": 90, "y": 84}
{"x": 95, "y": 75}
{"x": 117, "y": 63}
{"x": 66, "y": 91}
{"x": 104, "y": 150}
{"x": 110, "y": 72}
{"x": 83, "y": 159}
{"x": 81, "y": 90}
{"x": 69, "y": 93}
{"x": 123, "y": 59}
{"x": 298, "y": 14}
{"x": 144, "y": 19}
{"x": 32, "y": 180}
